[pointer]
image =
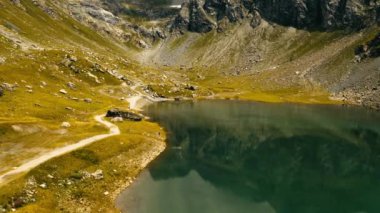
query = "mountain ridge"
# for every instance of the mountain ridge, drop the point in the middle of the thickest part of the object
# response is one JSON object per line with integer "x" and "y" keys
{"x": 303, "y": 14}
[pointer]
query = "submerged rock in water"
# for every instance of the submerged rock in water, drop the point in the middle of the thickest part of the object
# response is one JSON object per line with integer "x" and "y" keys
{"x": 113, "y": 113}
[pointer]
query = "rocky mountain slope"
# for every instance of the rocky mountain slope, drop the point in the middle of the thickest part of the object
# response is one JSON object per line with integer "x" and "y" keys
{"x": 280, "y": 45}
{"x": 199, "y": 16}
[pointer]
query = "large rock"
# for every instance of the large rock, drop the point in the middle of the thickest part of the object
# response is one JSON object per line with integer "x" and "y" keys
{"x": 71, "y": 85}
{"x": 98, "y": 174}
{"x": 8, "y": 87}
{"x": 256, "y": 19}
{"x": 63, "y": 91}
{"x": 113, "y": 113}
{"x": 65, "y": 125}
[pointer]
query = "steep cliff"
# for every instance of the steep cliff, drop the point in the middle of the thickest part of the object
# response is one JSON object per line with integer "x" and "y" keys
{"x": 306, "y": 14}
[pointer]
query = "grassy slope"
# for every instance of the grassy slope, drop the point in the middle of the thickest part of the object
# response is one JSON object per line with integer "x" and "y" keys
{"x": 45, "y": 108}
{"x": 121, "y": 162}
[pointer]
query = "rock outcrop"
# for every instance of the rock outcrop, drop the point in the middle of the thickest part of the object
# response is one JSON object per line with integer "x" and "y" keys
{"x": 369, "y": 50}
{"x": 324, "y": 14}
{"x": 181, "y": 22}
{"x": 199, "y": 16}
{"x": 106, "y": 18}
{"x": 199, "y": 19}
{"x": 113, "y": 113}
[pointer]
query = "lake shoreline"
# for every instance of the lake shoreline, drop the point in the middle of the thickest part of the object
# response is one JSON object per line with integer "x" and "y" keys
{"x": 145, "y": 156}
{"x": 151, "y": 100}
{"x": 153, "y": 155}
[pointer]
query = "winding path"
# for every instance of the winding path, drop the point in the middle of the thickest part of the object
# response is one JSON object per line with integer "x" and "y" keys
{"x": 134, "y": 100}
{"x": 113, "y": 130}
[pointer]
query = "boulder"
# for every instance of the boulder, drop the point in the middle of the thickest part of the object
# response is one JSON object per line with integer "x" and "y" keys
{"x": 43, "y": 185}
{"x": 43, "y": 84}
{"x": 8, "y": 87}
{"x": 17, "y": 202}
{"x": 69, "y": 108}
{"x": 142, "y": 44}
{"x": 256, "y": 19}
{"x": 87, "y": 100}
{"x": 191, "y": 87}
{"x": 159, "y": 33}
{"x": 98, "y": 174}
{"x": 68, "y": 60}
{"x": 63, "y": 91}
{"x": 71, "y": 85}
{"x": 65, "y": 125}
{"x": 113, "y": 113}
{"x": 72, "y": 58}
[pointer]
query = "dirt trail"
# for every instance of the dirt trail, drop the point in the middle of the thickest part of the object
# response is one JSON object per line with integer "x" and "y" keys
{"x": 113, "y": 130}
{"x": 138, "y": 101}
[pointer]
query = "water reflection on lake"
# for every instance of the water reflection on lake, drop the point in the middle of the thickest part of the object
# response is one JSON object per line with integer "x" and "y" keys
{"x": 255, "y": 157}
